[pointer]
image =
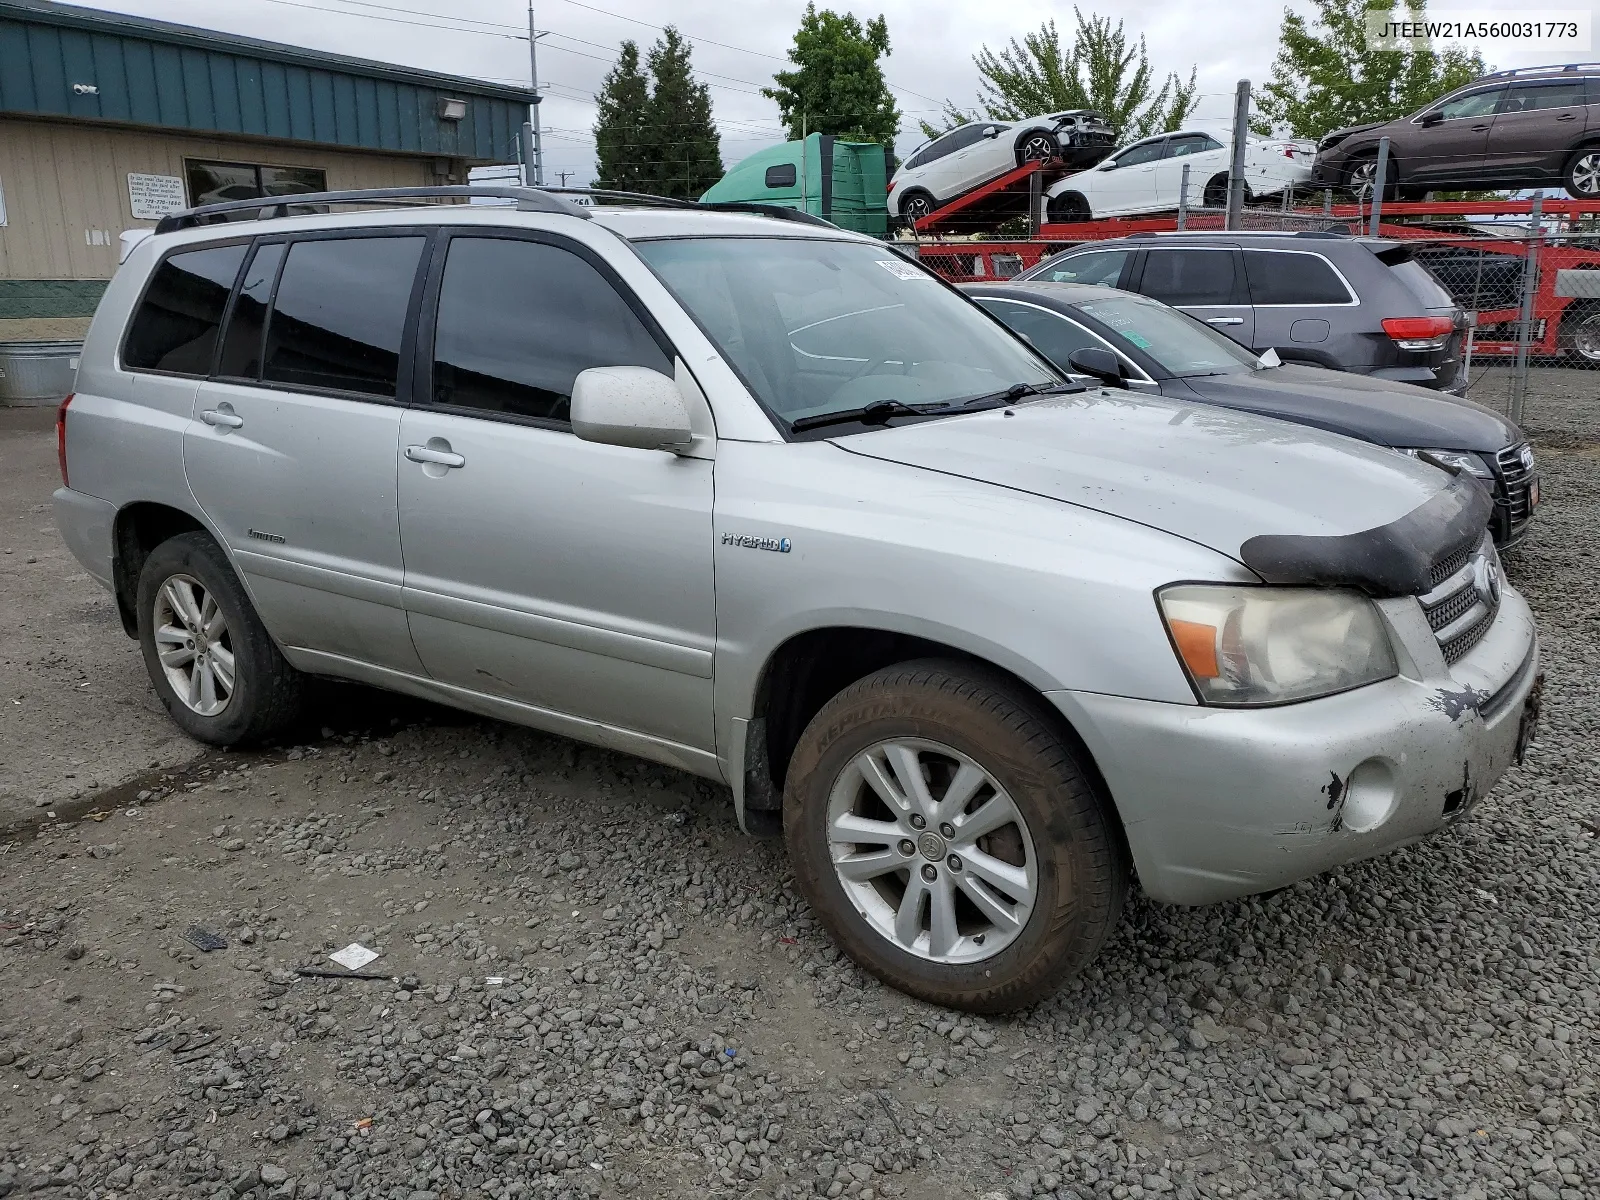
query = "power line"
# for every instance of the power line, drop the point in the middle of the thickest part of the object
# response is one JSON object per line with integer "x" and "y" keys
{"x": 340, "y": 12}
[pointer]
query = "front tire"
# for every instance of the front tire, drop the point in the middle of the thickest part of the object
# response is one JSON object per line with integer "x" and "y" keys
{"x": 950, "y": 840}
{"x": 1582, "y": 176}
{"x": 218, "y": 673}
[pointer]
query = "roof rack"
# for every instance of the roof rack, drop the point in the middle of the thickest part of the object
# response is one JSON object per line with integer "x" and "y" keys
{"x": 267, "y": 207}
{"x": 776, "y": 211}
{"x": 528, "y": 199}
{"x": 1560, "y": 67}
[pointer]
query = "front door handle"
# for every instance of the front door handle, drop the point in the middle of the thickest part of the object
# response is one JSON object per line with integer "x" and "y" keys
{"x": 434, "y": 455}
{"x": 222, "y": 417}
{"x": 1224, "y": 320}
{"x": 1479, "y": 128}
{"x": 1567, "y": 117}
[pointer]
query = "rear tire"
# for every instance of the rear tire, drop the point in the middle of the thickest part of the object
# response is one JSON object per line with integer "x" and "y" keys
{"x": 1015, "y": 875}
{"x": 916, "y": 206}
{"x": 218, "y": 673}
{"x": 1582, "y": 174}
{"x": 1579, "y": 331}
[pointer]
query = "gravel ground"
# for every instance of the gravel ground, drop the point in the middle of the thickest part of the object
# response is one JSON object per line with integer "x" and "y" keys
{"x": 596, "y": 987}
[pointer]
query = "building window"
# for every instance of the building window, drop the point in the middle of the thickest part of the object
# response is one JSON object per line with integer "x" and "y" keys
{"x": 214, "y": 182}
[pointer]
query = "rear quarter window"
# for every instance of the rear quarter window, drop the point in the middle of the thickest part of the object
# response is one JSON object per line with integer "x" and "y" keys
{"x": 1293, "y": 277}
{"x": 174, "y": 329}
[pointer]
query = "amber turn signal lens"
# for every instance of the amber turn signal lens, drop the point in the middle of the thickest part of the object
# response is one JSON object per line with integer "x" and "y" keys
{"x": 1197, "y": 644}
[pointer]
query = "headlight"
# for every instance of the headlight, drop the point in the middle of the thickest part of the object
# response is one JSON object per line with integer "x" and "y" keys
{"x": 1245, "y": 646}
{"x": 1461, "y": 459}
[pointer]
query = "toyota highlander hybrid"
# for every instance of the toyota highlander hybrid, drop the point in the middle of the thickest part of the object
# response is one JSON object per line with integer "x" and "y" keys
{"x": 766, "y": 501}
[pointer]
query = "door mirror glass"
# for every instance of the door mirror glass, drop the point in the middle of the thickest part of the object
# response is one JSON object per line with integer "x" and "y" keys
{"x": 1098, "y": 363}
{"x": 629, "y": 406}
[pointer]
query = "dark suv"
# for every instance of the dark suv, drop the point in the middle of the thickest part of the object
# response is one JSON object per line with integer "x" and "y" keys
{"x": 1520, "y": 128}
{"x": 1356, "y": 304}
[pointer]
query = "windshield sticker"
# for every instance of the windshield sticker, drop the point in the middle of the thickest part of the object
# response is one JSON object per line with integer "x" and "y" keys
{"x": 901, "y": 269}
{"x": 1137, "y": 339}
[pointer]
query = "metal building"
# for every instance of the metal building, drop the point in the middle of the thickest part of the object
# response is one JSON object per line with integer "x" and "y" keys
{"x": 107, "y": 122}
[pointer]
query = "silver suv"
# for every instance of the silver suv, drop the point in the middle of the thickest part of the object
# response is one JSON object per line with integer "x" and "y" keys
{"x": 766, "y": 501}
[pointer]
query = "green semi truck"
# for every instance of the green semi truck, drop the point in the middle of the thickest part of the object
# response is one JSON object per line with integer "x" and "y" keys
{"x": 843, "y": 182}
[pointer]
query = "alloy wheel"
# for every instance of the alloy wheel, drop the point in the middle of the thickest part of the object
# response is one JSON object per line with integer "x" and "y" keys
{"x": 1586, "y": 337}
{"x": 1038, "y": 147}
{"x": 931, "y": 851}
{"x": 1362, "y": 177}
{"x": 918, "y": 207}
{"x": 192, "y": 639}
{"x": 1586, "y": 174}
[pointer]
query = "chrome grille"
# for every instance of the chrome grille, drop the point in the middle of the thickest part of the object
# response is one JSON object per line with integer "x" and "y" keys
{"x": 1514, "y": 466}
{"x": 1464, "y": 600}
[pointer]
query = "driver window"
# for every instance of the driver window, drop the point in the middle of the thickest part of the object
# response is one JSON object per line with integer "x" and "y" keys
{"x": 1145, "y": 152}
{"x": 1473, "y": 104}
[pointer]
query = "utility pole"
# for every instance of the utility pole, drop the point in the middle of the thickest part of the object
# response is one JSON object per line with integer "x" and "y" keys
{"x": 1241, "y": 130}
{"x": 536, "y": 160}
{"x": 565, "y": 175}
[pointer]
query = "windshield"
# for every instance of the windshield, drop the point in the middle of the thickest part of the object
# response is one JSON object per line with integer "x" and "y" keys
{"x": 1183, "y": 346}
{"x": 821, "y": 326}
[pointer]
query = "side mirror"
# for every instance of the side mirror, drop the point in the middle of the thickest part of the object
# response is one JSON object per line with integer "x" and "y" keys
{"x": 1430, "y": 119}
{"x": 991, "y": 131}
{"x": 1098, "y": 363}
{"x": 629, "y": 406}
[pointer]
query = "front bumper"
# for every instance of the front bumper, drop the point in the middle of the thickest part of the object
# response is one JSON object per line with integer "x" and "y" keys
{"x": 1219, "y": 803}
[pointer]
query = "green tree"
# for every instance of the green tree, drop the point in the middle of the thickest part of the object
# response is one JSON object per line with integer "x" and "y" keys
{"x": 837, "y": 85}
{"x": 687, "y": 150}
{"x": 1101, "y": 70}
{"x": 1325, "y": 77}
{"x": 619, "y": 133}
{"x": 655, "y": 132}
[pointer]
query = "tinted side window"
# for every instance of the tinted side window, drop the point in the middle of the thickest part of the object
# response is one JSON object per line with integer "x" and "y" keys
{"x": 175, "y": 327}
{"x": 1473, "y": 104}
{"x": 1051, "y": 335}
{"x": 1100, "y": 266}
{"x": 1148, "y": 152}
{"x": 781, "y": 176}
{"x": 340, "y": 313}
{"x": 1180, "y": 147}
{"x": 1528, "y": 97}
{"x": 1278, "y": 277}
{"x": 241, "y": 344}
{"x": 1189, "y": 276}
{"x": 939, "y": 149}
{"x": 519, "y": 320}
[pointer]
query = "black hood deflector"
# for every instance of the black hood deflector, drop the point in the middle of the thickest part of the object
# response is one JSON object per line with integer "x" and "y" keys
{"x": 1390, "y": 560}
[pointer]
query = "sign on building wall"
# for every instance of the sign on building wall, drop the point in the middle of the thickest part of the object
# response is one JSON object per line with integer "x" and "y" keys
{"x": 154, "y": 196}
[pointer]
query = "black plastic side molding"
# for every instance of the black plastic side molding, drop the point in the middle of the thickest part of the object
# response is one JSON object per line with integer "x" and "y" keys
{"x": 1390, "y": 560}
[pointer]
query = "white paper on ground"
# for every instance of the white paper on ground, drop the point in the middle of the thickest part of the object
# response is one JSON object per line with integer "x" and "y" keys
{"x": 354, "y": 956}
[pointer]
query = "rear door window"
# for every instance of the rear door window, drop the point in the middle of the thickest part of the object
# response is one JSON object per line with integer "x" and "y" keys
{"x": 339, "y": 314}
{"x": 1190, "y": 276}
{"x": 175, "y": 327}
{"x": 241, "y": 344}
{"x": 1293, "y": 277}
{"x": 519, "y": 320}
{"x": 1529, "y": 97}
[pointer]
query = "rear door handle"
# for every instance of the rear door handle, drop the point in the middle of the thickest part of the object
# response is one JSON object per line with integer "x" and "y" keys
{"x": 224, "y": 417}
{"x": 1567, "y": 117}
{"x": 427, "y": 454}
{"x": 1224, "y": 320}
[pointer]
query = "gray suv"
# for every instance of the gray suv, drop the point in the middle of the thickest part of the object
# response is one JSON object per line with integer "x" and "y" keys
{"x": 763, "y": 500}
{"x": 1357, "y": 304}
{"x": 1522, "y": 128}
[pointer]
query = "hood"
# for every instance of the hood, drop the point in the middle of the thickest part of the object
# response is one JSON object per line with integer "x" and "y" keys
{"x": 1358, "y": 406}
{"x": 1338, "y": 135}
{"x": 1215, "y": 477}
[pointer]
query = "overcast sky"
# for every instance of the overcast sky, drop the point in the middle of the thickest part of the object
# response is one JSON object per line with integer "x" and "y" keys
{"x": 932, "y": 42}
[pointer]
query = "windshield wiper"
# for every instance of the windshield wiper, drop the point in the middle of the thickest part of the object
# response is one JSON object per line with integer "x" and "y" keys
{"x": 1016, "y": 391}
{"x": 876, "y": 413}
